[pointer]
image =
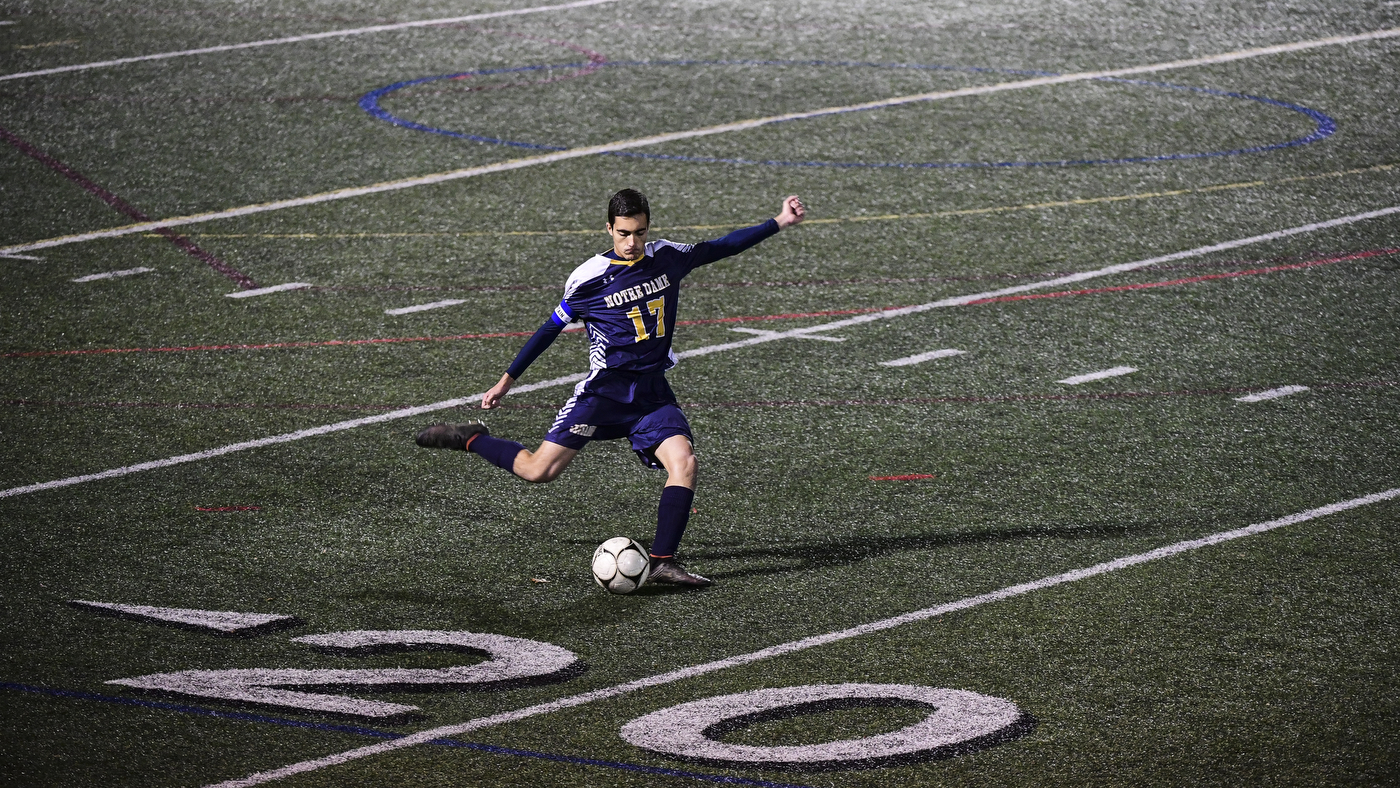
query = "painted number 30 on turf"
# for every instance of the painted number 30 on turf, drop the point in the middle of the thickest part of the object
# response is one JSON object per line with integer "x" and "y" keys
{"x": 957, "y": 721}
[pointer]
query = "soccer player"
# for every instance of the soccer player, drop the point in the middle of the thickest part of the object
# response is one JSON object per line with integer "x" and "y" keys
{"x": 626, "y": 298}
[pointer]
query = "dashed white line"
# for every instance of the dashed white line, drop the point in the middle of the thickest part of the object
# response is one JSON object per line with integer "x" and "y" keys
{"x": 358, "y": 31}
{"x": 658, "y": 139}
{"x": 1075, "y": 380}
{"x": 423, "y": 737}
{"x": 425, "y": 307}
{"x": 14, "y": 256}
{"x": 695, "y": 352}
{"x": 112, "y": 274}
{"x": 922, "y": 357}
{"x": 1282, "y": 391}
{"x": 265, "y": 290}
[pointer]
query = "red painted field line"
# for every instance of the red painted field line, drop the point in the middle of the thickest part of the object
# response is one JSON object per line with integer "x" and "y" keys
{"x": 227, "y": 508}
{"x": 712, "y": 321}
{"x": 390, "y": 340}
{"x": 751, "y": 404}
{"x": 1193, "y": 279}
{"x": 908, "y": 477}
{"x": 185, "y": 244}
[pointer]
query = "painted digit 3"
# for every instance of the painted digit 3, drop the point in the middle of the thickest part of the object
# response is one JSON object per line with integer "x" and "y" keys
{"x": 511, "y": 662}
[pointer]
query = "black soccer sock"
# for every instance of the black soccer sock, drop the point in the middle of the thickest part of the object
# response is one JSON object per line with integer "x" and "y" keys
{"x": 497, "y": 451}
{"x": 672, "y": 514}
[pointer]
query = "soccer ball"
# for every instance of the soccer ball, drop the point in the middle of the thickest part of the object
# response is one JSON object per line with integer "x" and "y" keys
{"x": 621, "y": 565}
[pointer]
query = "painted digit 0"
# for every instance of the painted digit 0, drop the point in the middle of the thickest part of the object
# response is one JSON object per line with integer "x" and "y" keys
{"x": 958, "y": 721}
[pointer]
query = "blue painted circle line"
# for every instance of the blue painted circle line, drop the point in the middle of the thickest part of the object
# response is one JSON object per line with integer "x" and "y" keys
{"x": 1323, "y": 126}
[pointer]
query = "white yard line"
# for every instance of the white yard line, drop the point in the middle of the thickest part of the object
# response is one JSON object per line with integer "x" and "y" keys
{"x": 217, "y": 620}
{"x": 358, "y": 31}
{"x": 265, "y": 290}
{"x": 796, "y": 333}
{"x": 922, "y": 357}
{"x": 1282, "y": 391}
{"x": 658, "y": 139}
{"x": 287, "y": 437}
{"x": 426, "y": 736}
{"x": 1075, "y": 380}
{"x": 425, "y": 307}
{"x": 112, "y": 274}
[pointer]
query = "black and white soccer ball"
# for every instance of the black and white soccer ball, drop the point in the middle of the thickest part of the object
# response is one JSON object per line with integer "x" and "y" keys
{"x": 621, "y": 565}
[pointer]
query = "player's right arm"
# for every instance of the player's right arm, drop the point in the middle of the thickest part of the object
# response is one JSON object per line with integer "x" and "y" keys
{"x": 543, "y": 337}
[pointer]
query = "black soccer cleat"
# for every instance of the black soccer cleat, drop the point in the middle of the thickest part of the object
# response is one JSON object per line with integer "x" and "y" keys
{"x": 450, "y": 436}
{"x": 671, "y": 572}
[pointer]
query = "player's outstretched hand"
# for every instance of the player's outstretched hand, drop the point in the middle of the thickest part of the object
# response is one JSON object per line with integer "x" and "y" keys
{"x": 492, "y": 398}
{"x": 793, "y": 213}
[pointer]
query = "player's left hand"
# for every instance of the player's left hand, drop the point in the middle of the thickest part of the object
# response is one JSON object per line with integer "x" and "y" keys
{"x": 492, "y": 398}
{"x": 793, "y": 213}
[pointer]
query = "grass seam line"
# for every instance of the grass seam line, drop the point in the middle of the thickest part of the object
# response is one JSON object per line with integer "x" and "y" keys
{"x": 695, "y": 352}
{"x": 658, "y": 139}
{"x": 296, "y": 39}
{"x": 782, "y": 649}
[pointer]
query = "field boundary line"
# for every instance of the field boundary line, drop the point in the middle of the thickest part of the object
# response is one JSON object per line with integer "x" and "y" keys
{"x": 694, "y": 352}
{"x": 658, "y": 139}
{"x": 357, "y": 31}
{"x": 782, "y": 649}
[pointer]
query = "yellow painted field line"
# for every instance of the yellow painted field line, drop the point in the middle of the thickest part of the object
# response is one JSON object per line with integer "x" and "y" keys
{"x": 888, "y": 217}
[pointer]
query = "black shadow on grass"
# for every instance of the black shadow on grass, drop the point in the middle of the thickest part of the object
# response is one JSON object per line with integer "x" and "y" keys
{"x": 806, "y": 556}
{"x": 1021, "y": 727}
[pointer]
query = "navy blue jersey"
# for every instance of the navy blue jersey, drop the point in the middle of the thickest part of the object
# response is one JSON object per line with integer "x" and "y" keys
{"x": 628, "y": 307}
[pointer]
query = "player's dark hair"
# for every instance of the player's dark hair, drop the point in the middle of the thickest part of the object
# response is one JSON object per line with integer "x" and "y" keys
{"x": 628, "y": 202}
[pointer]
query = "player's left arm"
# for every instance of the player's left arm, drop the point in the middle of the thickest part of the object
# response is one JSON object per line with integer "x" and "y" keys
{"x": 793, "y": 212}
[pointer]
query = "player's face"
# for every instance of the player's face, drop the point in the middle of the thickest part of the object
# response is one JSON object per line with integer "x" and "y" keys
{"x": 629, "y": 234}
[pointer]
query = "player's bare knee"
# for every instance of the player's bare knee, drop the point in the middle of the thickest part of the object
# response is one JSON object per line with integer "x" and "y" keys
{"x": 683, "y": 469}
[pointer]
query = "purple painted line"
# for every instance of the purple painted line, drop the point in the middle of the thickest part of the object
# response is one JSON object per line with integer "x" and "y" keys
{"x": 185, "y": 244}
{"x": 362, "y": 731}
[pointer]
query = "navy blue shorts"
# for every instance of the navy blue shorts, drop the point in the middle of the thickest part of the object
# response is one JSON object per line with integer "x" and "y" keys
{"x": 614, "y": 405}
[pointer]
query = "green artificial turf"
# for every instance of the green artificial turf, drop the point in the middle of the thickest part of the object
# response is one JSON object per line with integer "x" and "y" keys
{"x": 1267, "y": 660}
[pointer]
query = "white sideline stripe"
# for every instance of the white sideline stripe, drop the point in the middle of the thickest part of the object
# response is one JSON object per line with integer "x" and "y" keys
{"x": 764, "y": 332}
{"x": 700, "y": 351}
{"x": 265, "y": 290}
{"x": 275, "y": 439}
{"x": 423, "y": 737}
{"x": 294, "y": 39}
{"x": 1075, "y": 380}
{"x": 425, "y": 307}
{"x": 931, "y": 355}
{"x": 640, "y": 142}
{"x": 1282, "y": 391}
{"x": 1061, "y": 280}
{"x": 112, "y": 274}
